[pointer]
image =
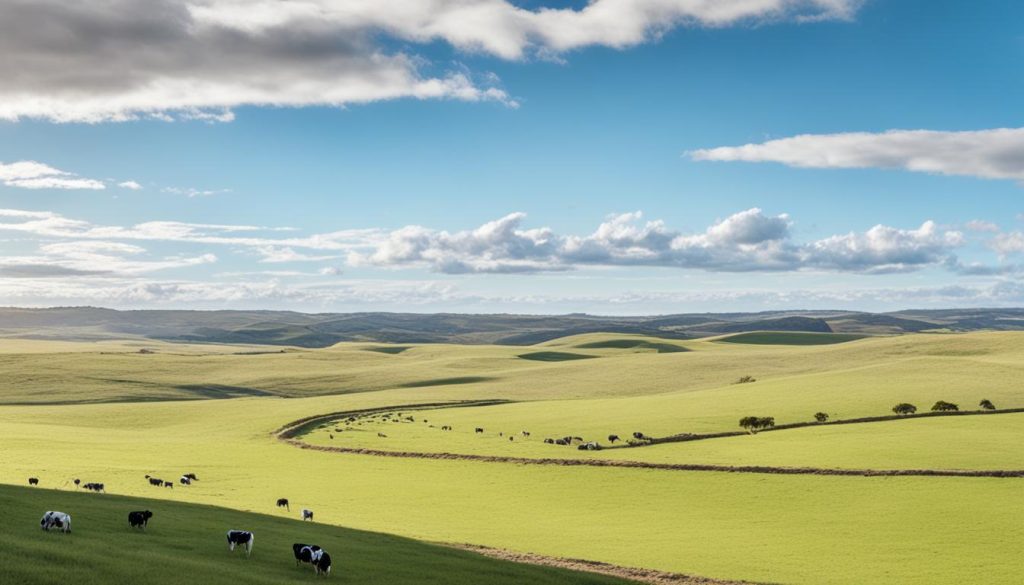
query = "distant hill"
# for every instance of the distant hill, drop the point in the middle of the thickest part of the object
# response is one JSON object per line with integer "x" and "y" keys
{"x": 324, "y": 329}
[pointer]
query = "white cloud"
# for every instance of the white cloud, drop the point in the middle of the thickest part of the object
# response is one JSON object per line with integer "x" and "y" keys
{"x": 93, "y": 257}
{"x": 989, "y": 154}
{"x": 979, "y": 225}
{"x": 132, "y": 185}
{"x": 29, "y": 174}
{"x": 746, "y": 241}
{"x": 750, "y": 240}
{"x": 197, "y": 59}
{"x": 193, "y": 192}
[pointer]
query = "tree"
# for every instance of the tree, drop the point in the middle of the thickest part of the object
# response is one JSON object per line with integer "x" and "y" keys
{"x": 904, "y": 408}
{"x": 821, "y": 416}
{"x": 766, "y": 422}
{"x": 943, "y": 406}
{"x": 987, "y": 404}
{"x": 749, "y": 423}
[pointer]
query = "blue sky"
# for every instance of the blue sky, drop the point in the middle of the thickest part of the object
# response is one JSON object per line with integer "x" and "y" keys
{"x": 569, "y": 132}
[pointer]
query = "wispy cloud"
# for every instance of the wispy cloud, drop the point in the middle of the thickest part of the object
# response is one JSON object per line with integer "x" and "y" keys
{"x": 988, "y": 154}
{"x": 198, "y": 59}
{"x": 29, "y": 174}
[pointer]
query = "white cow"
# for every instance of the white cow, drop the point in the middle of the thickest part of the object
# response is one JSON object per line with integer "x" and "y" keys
{"x": 56, "y": 520}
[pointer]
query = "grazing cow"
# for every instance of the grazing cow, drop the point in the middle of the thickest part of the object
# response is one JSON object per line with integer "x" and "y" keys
{"x": 307, "y": 514}
{"x": 580, "y": 439}
{"x": 185, "y": 480}
{"x": 479, "y": 430}
{"x": 95, "y": 487}
{"x": 331, "y": 436}
{"x": 323, "y": 565}
{"x": 561, "y": 442}
{"x": 283, "y": 503}
{"x": 549, "y": 441}
{"x": 58, "y": 520}
{"x": 155, "y": 481}
{"x": 306, "y": 553}
{"x": 382, "y": 435}
{"x": 241, "y": 538}
{"x": 169, "y": 484}
{"x": 613, "y": 438}
{"x": 77, "y": 481}
{"x": 526, "y": 433}
{"x": 639, "y": 435}
{"x": 511, "y": 438}
{"x": 139, "y": 519}
{"x": 590, "y": 446}
{"x": 33, "y": 481}
{"x": 500, "y": 434}
{"x": 191, "y": 476}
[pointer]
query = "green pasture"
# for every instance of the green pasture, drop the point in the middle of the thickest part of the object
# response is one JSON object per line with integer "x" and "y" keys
{"x": 186, "y": 544}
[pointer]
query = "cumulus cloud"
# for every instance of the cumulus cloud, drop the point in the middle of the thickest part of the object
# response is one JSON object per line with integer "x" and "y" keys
{"x": 198, "y": 59}
{"x": 988, "y": 154}
{"x": 750, "y": 240}
{"x": 29, "y": 174}
{"x": 746, "y": 241}
{"x": 132, "y": 185}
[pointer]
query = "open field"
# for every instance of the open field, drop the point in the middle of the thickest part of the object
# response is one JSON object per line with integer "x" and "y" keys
{"x": 762, "y": 528}
{"x": 185, "y": 543}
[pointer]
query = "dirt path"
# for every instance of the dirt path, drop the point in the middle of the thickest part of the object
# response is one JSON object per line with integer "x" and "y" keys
{"x": 289, "y": 432}
{"x": 630, "y": 573}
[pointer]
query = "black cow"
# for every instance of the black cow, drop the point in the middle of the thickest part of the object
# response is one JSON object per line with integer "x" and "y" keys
{"x": 613, "y": 438}
{"x": 526, "y": 433}
{"x": 241, "y": 538}
{"x": 549, "y": 441}
{"x": 283, "y": 503}
{"x": 382, "y": 435}
{"x": 511, "y": 438}
{"x": 639, "y": 435}
{"x": 479, "y": 430}
{"x": 561, "y": 442}
{"x": 155, "y": 481}
{"x": 169, "y": 484}
{"x": 33, "y": 481}
{"x": 95, "y": 487}
{"x": 77, "y": 481}
{"x": 139, "y": 519}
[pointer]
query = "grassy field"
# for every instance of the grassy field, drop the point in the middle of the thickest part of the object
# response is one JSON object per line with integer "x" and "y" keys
{"x": 765, "y": 528}
{"x": 185, "y": 544}
{"x": 789, "y": 338}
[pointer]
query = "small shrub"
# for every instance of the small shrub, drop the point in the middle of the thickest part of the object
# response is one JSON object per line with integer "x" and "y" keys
{"x": 821, "y": 416}
{"x": 746, "y": 380}
{"x": 904, "y": 408}
{"x": 987, "y": 404}
{"x": 943, "y": 406}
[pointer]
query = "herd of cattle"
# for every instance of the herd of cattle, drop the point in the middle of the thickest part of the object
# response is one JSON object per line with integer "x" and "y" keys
{"x": 578, "y": 442}
{"x": 311, "y": 554}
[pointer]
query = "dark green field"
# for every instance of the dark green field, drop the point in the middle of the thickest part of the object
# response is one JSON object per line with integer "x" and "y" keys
{"x": 185, "y": 544}
{"x": 634, "y": 344}
{"x": 554, "y": 356}
{"x": 790, "y": 338}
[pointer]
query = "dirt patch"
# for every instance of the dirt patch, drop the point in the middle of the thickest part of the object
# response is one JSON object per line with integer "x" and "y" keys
{"x": 630, "y": 573}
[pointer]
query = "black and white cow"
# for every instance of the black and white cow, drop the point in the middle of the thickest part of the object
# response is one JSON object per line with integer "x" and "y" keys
{"x": 191, "y": 476}
{"x": 139, "y": 519}
{"x": 185, "y": 480}
{"x": 307, "y": 514}
{"x": 241, "y": 538}
{"x": 323, "y": 565}
{"x": 306, "y": 553}
{"x": 58, "y": 520}
{"x": 33, "y": 481}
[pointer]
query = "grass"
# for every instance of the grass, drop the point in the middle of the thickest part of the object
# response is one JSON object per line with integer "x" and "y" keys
{"x": 629, "y": 343}
{"x": 185, "y": 544}
{"x": 789, "y": 338}
{"x": 553, "y": 356}
{"x": 779, "y": 529}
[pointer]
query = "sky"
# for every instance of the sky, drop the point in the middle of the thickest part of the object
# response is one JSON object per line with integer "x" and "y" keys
{"x": 609, "y": 157}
